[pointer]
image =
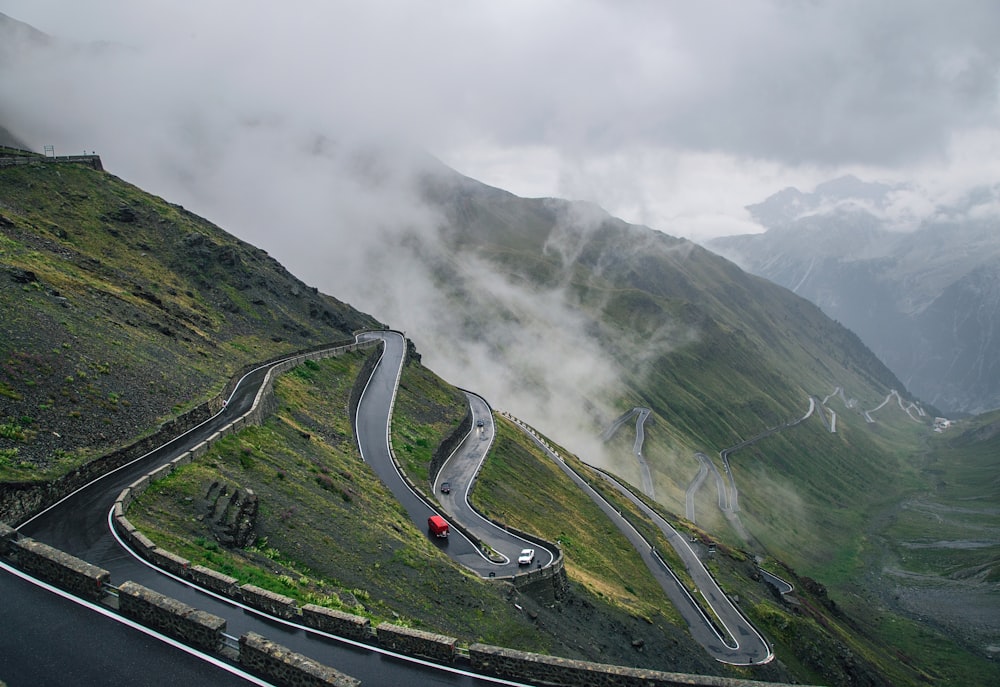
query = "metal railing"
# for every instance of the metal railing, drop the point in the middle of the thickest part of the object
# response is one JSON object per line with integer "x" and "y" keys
{"x": 230, "y": 642}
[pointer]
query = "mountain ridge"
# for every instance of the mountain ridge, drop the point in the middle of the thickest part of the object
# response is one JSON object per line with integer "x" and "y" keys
{"x": 922, "y": 299}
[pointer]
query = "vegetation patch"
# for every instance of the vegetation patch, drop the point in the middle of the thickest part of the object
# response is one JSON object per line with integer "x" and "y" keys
{"x": 328, "y": 531}
{"x": 121, "y": 310}
{"x": 427, "y": 412}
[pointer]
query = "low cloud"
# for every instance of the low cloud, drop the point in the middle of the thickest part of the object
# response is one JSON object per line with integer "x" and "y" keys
{"x": 674, "y": 116}
{"x": 264, "y": 119}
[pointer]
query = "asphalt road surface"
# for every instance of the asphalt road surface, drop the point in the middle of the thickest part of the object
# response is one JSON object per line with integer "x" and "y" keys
{"x": 79, "y": 525}
{"x": 373, "y": 433}
{"x": 61, "y": 640}
{"x": 460, "y": 472}
{"x": 739, "y": 643}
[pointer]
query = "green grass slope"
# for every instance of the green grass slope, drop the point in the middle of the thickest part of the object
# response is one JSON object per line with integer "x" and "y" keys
{"x": 717, "y": 354}
{"x": 327, "y": 531}
{"x": 120, "y": 310}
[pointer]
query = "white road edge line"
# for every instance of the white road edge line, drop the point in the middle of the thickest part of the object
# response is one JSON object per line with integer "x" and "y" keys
{"x": 136, "y": 626}
{"x": 297, "y": 626}
{"x": 388, "y": 444}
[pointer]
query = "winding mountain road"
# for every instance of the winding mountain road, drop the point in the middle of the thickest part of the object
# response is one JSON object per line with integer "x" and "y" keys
{"x": 79, "y": 525}
{"x": 739, "y": 642}
{"x": 642, "y": 414}
{"x": 705, "y": 465}
{"x": 460, "y": 470}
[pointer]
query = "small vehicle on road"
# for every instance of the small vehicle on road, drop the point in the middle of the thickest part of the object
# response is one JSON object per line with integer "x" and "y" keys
{"x": 445, "y": 487}
{"x": 479, "y": 423}
{"x": 526, "y": 557}
{"x": 437, "y": 526}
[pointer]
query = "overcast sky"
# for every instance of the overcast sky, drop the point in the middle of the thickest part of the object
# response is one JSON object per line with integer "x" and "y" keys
{"x": 672, "y": 114}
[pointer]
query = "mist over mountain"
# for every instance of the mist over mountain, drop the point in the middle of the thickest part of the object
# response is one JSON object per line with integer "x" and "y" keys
{"x": 552, "y": 309}
{"x": 923, "y": 294}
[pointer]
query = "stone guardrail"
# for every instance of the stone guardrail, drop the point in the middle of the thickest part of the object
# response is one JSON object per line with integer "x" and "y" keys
{"x": 259, "y": 655}
{"x": 176, "y": 619}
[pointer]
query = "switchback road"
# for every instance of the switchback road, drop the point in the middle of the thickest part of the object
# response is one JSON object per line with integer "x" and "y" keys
{"x": 79, "y": 525}
{"x": 373, "y": 431}
{"x": 739, "y": 643}
{"x": 460, "y": 471}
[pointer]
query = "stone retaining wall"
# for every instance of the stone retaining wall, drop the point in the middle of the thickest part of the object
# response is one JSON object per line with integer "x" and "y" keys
{"x": 7, "y": 535}
{"x": 89, "y": 160}
{"x": 337, "y": 622}
{"x": 61, "y": 569}
{"x": 412, "y": 642}
{"x": 286, "y": 667}
{"x": 197, "y": 628}
{"x": 271, "y": 603}
{"x": 552, "y": 670}
{"x": 448, "y": 446}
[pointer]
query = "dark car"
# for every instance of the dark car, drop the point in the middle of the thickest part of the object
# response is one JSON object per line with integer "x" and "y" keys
{"x": 445, "y": 487}
{"x": 479, "y": 423}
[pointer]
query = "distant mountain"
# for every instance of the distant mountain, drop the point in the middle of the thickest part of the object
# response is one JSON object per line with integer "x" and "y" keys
{"x": 925, "y": 300}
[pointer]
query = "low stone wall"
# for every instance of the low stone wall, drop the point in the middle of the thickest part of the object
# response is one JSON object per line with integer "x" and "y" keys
{"x": 412, "y": 642}
{"x": 271, "y": 603}
{"x": 285, "y": 667}
{"x": 337, "y": 622}
{"x": 213, "y": 581}
{"x": 448, "y": 446}
{"x": 552, "y": 670}
{"x": 89, "y": 160}
{"x": 174, "y": 618}
{"x": 61, "y": 569}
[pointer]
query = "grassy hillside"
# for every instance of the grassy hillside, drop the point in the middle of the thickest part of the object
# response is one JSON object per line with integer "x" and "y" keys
{"x": 718, "y": 355}
{"x": 936, "y": 553}
{"x": 121, "y": 310}
{"x": 327, "y": 531}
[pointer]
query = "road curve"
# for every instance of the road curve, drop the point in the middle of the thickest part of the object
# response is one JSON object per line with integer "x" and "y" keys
{"x": 640, "y": 436}
{"x": 744, "y": 644}
{"x": 372, "y": 424}
{"x": 695, "y": 486}
{"x": 751, "y": 647}
{"x": 460, "y": 470}
{"x": 79, "y": 525}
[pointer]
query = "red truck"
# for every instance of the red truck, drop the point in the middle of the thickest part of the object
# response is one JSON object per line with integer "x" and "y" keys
{"x": 438, "y": 526}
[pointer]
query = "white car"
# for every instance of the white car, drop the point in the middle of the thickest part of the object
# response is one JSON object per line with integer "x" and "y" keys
{"x": 526, "y": 557}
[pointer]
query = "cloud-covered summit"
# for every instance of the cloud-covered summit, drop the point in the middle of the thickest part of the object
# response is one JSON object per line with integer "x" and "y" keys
{"x": 667, "y": 114}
